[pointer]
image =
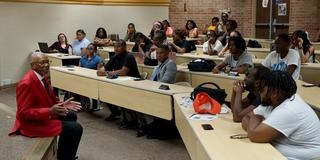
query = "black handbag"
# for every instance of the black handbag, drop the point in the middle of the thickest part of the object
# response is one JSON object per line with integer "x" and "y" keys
{"x": 201, "y": 65}
{"x": 254, "y": 44}
{"x": 216, "y": 93}
{"x": 150, "y": 62}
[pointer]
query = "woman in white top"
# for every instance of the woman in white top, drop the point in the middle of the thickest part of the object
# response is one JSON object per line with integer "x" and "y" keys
{"x": 213, "y": 46}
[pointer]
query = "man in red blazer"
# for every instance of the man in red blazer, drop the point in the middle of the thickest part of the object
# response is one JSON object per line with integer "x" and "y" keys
{"x": 41, "y": 114}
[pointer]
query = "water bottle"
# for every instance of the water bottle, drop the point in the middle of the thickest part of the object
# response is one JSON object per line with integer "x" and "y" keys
{"x": 70, "y": 50}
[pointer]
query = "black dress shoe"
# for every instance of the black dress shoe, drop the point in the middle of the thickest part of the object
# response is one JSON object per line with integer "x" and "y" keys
{"x": 112, "y": 117}
{"x": 141, "y": 133}
{"x": 128, "y": 125}
{"x": 94, "y": 110}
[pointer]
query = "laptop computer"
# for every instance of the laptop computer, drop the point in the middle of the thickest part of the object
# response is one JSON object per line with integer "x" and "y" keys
{"x": 43, "y": 46}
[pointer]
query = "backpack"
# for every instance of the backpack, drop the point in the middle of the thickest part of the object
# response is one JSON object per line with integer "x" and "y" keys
{"x": 201, "y": 65}
{"x": 254, "y": 44}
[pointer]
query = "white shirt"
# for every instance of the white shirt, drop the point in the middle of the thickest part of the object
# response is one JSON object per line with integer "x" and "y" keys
{"x": 217, "y": 46}
{"x": 274, "y": 61}
{"x": 299, "y": 124}
{"x": 78, "y": 45}
{"x": 39, "y": 77}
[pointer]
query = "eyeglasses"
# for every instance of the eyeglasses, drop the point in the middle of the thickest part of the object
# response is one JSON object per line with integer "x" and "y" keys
{"x": 90, "y": 48}
{"x": 239, "y": 136}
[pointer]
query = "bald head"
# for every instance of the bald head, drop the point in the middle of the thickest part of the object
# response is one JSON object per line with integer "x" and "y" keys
{"x": 36, "y": 57}
{"x": 39, "y": 62}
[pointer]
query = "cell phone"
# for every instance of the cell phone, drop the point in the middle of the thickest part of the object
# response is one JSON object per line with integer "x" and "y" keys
{"x": 231, "y": 73}
{"x": 207, "y": 127}
{"x": 138, "y": 79}
{"x": 114, "y": 76}
{"x": 164, "y": 87}
{"x": 71, "y": 70}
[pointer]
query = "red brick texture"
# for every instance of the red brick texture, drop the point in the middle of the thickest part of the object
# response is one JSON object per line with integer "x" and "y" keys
{"x": 303, "y": 14}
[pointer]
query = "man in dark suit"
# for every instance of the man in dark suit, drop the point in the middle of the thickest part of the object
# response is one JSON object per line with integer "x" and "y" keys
{"x": 41, "y": 114}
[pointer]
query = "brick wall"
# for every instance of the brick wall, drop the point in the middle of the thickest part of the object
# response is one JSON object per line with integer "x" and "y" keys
{"x": 201, "y": 11}
{"x": 303, "y": 15}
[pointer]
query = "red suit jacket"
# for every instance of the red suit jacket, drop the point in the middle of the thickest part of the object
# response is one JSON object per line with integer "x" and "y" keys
{"x": 33, "y": 113}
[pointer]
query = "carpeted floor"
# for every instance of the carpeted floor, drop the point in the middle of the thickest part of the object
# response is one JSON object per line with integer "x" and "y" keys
{"x": 101, "y": 140}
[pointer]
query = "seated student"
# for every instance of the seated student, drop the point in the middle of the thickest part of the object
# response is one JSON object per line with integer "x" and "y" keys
{"x": 62, "y": 45}
{"x": 224, "y": 19}
{"x": 231, "y": 26}
{"x": 241, "y": 106}
{"x": 131, "y": 31}
{"x": 225, "y": 50}
{"x": 151, "y": 56}
{"x": 121, "y": 64}
{"x": 141, "y": 46}
{"x": 301, "y": 43}
{"x": 192, "y": 32}
{"x": 40, "y": 113}
{"x": 80, "y": 43}
{"x": 92, "y": 61}
{"x": 165, "y": 72}
{"x": 192, "y": 29}
{"x": 212, "y": 46}
{"x": 284, "y": 119}
{"x": 214, "y": 25}
{"x": 179, "y": 44}
{"x": 167, "y": 28}
{"x": 156, "y": 26}
{"x": 101, "y": 39}
{"x": 284, "y": 58}
{"x": 239, "y": 60}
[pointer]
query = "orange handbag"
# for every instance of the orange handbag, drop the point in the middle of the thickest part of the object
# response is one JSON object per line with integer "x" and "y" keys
{"x": 203, "y": 104}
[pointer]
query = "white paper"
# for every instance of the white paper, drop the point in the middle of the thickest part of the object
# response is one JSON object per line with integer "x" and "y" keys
{"x": 186, "y": 102}
{"x": 224, "y": 109}
{"x": 124, "y": 78}
{"x": 203, "y": 117}
{"x": 282, "y": 9}
{"x": 265, "y": 3}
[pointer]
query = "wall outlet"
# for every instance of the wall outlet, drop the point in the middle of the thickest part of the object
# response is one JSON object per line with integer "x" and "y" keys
{"x": 6, "y": 82}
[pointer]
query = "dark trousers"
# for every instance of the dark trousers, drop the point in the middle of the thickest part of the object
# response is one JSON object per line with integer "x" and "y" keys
{"x": 85, "y": 101}
{"x": 114, "y": 109}
{"x": 69, "y": 137}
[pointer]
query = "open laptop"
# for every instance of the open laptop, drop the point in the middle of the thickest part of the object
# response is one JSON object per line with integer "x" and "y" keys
{"x": 43, "y": 46}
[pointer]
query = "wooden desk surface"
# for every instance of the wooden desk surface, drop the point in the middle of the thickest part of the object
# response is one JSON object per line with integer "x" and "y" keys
{"x": 146, "y": 85}
{"x": 106, "y": 49}
{"x": 142, "y": 96}
{"x": 63, "y": 56}
{"x": 310, "y": 95}
{"x": 216, "y": 144}
{"x": 196, "y": 78}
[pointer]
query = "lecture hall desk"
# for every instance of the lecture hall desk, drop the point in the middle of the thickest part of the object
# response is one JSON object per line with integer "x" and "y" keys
{"x": 217, "y": 144}
{"x": 142, "y": 96}
{"x": 61, "y": 59}
{"x": 309, "y": 71}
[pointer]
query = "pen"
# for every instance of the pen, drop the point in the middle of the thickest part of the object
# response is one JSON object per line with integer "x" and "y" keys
{"x": 192, "y": 115}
